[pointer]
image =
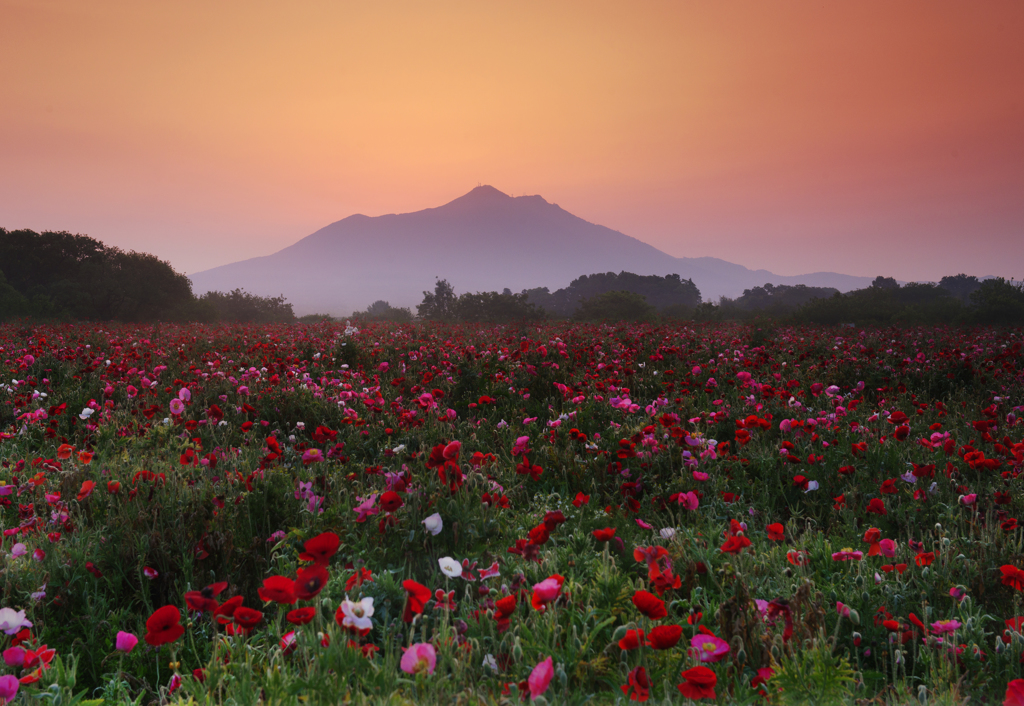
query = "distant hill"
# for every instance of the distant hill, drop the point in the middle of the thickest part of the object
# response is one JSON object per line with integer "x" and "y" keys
{"x": 483, "y": 241}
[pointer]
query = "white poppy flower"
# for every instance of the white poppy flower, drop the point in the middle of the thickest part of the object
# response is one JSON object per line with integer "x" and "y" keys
{"x": 434, "y": 524}
{"x": 357, "y": 614}
{"x": 449, "y": 567}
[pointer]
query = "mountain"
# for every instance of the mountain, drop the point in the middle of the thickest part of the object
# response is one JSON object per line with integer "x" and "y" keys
{"x": 483, "y": 241}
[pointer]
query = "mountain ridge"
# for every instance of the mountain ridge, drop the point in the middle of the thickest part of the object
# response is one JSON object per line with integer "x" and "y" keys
{"x": 484, "y": 240}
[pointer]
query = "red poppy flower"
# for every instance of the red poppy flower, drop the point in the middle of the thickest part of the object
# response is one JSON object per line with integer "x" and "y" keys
{"x": 417, "y": 597}
{"x": 204, "y": 601}
{"x": 776, "y": 532}
{"x": 581, "y": 499}
{"x": 247, "y": 618}
{"x": 41, "y": 656}
{"x": 632, "y": 640}
{"x": 278, "y": 589}
{"x": 604, "y": 535}
{"x": 553, "y": 518}
{"x": 637, "y": 687}
{"x": 734, "y": 545}
{"x": 301, "y": 616}
{"x": 924, "y": 558}
{"x": 1012, "y": 576}
{"x": 699, "y": 683}
{"x": 664, "y": 637}
{"x": 897, "y": 418}
{"x": 226, "y": 610}
{"x": 321, "y": 548}
{"x": 798, "y": 557}
{"x": 504, "y": 607}
{"x": 309, "y": 581}
{"x": 164, "y": 626}
{"x": 540, "y": 534}
{"x": 873, "y": 537}
{"x": 390, "y": 501}
{"x": 650, "y": 605}
{"x": 876, "y": 507}
{"x": 361, "y": 576}
{"x": 86, "y": 491}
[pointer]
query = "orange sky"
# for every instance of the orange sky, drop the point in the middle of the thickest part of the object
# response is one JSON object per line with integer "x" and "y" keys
{"x": 869, "y": 137}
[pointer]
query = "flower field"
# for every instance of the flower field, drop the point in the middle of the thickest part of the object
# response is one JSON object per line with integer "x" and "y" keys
{"x": 561, "y": 513}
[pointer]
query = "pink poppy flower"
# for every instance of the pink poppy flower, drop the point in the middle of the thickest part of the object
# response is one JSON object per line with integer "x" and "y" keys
{"x": 365, "y": 508}
{"x": 942, "y": 626}
{"x": 421, "y": 657}
{"x": 540, "y": 678}
{"x": 709, "y": 648}
{"x": 126, "y": 642}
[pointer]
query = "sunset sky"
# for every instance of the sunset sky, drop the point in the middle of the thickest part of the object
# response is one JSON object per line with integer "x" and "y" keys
{"x": 868, "y": 137}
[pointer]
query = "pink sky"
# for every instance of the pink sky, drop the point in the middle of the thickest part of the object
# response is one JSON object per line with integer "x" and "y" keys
{"x": 866, "y": 138}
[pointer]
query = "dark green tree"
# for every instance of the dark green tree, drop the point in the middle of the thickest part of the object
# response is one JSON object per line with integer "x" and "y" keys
{"x": 239, "y": 305}
{"x": 438, "y": 305}
{"x": 998, "y": 301}
{"x": 496, "y": 308}
{"x": 616, "y": 306}
{"x": 381, "y": 310}
{"x": 75, "y": 276}
{"x": 960, "y": 286}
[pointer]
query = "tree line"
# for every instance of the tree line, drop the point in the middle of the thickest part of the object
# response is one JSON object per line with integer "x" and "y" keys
{"x": 61, "y": 276}
{"x": 597, "y": 297}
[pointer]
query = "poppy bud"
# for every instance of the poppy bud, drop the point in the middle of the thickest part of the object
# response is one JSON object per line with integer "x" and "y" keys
{"x": 999, "y": 646}
{"x": 856, "y": 639}
{"x": 620, "y": 632}
{"x": 741, "y": 656}
{"x": 517, "y": 651}
{"x": 859, "y": 581}
{"x": 922, "y": 694}
{"x": 854, "y": 617}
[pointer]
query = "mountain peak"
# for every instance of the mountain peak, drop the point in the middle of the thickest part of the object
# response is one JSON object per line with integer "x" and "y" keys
{"x": 481, "y": 196}
{"x": 486, "y": 191}
{"x": 486, "y": 198}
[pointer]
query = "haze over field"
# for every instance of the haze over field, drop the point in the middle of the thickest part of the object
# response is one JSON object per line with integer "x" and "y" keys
{"x": 869, "y": 138}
